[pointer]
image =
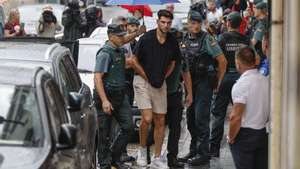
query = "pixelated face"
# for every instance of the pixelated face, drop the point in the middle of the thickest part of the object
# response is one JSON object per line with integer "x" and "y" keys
{"x": 132, "y": 28}
{"x": 194, "y": 26}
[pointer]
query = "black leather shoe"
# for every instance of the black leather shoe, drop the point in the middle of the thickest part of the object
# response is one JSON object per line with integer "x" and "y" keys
{"x": 120, "y": 165}
{"x": 174, "y": 163}
{"x": 198, "y": 160}
{"x": 186, "y": 157}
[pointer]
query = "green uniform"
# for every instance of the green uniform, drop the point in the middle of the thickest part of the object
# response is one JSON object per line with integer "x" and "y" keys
{"x": 260, "y": 29}
{"x": 111, "y": 61}
{"x": 173, "y": 81}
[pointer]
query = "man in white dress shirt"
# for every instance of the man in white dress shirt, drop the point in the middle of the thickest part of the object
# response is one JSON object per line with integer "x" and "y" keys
{"x": 247, "y": 135}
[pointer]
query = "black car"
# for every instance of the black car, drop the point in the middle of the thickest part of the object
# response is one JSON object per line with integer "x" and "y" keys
{"x": 35, "y": 132}
{"x": 58, "y": 60}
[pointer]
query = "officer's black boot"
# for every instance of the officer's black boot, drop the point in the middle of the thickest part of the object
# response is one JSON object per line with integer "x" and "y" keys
{"x": 190, "y": 155}
{"x": 173, "y": 163}
{"x": 199, "y": 160}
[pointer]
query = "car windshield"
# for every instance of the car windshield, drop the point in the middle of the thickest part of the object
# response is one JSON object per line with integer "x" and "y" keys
{"x": 20, "y": 120}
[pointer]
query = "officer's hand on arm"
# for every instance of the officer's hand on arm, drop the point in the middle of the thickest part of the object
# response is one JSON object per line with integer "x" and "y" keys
{"x": 106, "y": 105}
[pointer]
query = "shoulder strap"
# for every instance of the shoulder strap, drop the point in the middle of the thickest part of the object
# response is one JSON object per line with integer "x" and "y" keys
{"x": 202, "y": 38}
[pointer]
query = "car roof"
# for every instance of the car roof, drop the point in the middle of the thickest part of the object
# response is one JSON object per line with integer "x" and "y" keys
{"x": 30, "y": 49}
{"x": 15, "y": 75}
{"x": 26, "y": 64}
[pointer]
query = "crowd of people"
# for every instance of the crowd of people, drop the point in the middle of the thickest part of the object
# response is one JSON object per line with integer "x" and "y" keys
{"x": 221, "y": 57}
{"x": 77, "y": 21}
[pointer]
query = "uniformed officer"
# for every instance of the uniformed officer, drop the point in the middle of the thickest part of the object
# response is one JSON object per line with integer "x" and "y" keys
{"x": 201, "y": 51}
{"x": 229, "y": 42}
{"x": 261, "y": 14}
{"x": 175, "y": 106}
{"x": 132, "y": 26}
{"x": 111, "y": 99}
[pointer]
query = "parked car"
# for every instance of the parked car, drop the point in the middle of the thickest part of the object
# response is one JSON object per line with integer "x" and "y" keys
{"x": 35, "y": 132}
{"x": 57, "y": 60}
{"x": 88, "y": 48}
{"x": 30, "y": 15}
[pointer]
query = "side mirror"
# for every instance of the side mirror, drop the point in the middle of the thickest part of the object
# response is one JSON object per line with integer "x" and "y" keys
{"x": 75, "y": 101}
{"x": 68, "y": 137}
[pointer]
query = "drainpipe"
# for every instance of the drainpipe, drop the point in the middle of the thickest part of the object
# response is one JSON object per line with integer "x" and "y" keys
{"x": 276, "y": 83}
{"x": 285, "y": 85}
{"x": 291, "y": 86}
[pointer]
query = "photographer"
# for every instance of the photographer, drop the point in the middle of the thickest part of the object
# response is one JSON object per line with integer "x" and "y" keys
{"x": 90, "y": 16}
{"x": 72, "y": 21}
{"x": 48, "y": 24}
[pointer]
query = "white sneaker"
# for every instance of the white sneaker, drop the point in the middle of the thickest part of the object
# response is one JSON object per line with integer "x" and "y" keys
{"x": 142, "y": 157}
{"x": 158, "y": 163}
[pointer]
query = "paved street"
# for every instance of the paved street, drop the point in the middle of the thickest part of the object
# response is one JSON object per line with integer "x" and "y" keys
{"x": 225, "y": 162}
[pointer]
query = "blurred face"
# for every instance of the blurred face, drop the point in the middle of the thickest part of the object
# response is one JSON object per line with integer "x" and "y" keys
{"x": 164, "y": 24}
{"x": 211, "y": 6}
{"x": 170, "y": 8}
{"x": 116, "y": 40}
{"x": 123, "y": 25}
{"x": 138, "y": 14}
{"x": 250, "y": 11}
{"x": 194, "y": 27}
{"x": 257, "y": 12}
{"x": 132, "y": 28}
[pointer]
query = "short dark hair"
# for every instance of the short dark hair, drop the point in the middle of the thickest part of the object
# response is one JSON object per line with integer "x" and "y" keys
{"x": 246, "y": 55}
{"x": 235, "y": 24}
{"x": 165, "y": 13}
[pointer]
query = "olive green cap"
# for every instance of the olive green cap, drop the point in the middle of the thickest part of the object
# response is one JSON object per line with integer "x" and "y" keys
{"x": 194, "y": 16}
{"x": 234, "y": 17}
{"x": 261, "y": 5}
{"x": 133, "y": 21}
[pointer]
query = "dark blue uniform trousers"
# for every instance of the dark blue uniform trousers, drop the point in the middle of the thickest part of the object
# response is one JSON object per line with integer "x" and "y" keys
{"x": 219, "y": 109}
{"x": 198, "y": 117}
{"x": 108, "y": 151}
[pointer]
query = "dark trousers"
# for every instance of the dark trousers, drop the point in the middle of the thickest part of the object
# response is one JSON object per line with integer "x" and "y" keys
{"x": 219, "y": 109}
{"x": 108, "y": 151}
{"x": 250, "y": 149}
{"x": 198, "y": 118}
{"x": 174, "y": 117}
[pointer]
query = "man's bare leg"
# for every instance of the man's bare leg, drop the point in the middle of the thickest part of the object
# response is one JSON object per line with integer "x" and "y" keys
{"x": 147, "y": 117}
{"x": 159, "y": 132}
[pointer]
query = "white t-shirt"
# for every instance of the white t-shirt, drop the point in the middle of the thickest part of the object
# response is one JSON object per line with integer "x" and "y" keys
{"x": 252, "y": 89}
{"x": 214, "y": 16}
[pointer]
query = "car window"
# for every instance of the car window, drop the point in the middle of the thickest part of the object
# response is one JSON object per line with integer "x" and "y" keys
{"x": 55, "y": 106}
{"x": 72, "y": 71}
{"x": 21, "y": 122}
{"x": 68, "y": 83}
